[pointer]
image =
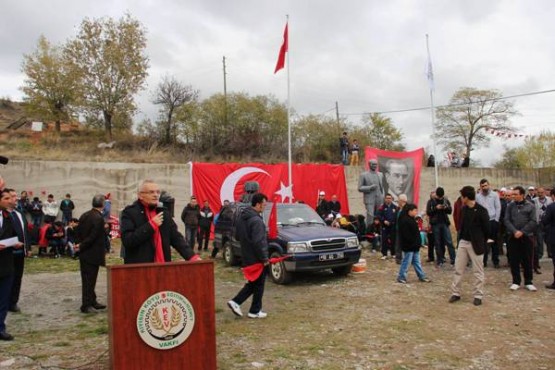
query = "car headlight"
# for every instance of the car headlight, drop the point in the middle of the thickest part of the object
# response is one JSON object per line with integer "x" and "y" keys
{"x": 297, "y": 248}
{"x": 353, "y": 243}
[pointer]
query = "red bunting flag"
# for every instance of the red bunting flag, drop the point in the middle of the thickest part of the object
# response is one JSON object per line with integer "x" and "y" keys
{"x": 284, "y": 48}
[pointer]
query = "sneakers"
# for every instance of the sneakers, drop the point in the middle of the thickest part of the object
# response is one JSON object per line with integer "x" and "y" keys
{"x": 425, "y": 280}
{"x": 235, "y": 308}
{"x": 531, "y": 287}
{"x": 384, "y": 258}
{"x": 401, "y": 281}
{"x": 259, "y": 315}
{"x": 477, "y": 302}
{"x": 514, "y": 287}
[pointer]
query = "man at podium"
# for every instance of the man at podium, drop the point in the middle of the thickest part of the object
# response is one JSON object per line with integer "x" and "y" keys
{"x": 148, "y": 230}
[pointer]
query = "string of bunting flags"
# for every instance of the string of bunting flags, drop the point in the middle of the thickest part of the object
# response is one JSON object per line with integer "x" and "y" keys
{"x": 508, "y": 135}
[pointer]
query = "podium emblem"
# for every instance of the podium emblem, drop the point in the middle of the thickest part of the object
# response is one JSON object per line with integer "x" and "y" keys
{"x": 165, "y": 320}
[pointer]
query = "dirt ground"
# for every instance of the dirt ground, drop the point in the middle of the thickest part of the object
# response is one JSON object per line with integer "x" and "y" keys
{"x": 320, "y": 321}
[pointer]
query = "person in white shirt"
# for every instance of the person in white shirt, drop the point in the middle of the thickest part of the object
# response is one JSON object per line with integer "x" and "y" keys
{"x": 490, "y": 201}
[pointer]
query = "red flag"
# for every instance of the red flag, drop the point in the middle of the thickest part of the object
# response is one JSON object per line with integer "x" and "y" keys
{"x": 284, "y": 47}
{"x": 272, "y": 222}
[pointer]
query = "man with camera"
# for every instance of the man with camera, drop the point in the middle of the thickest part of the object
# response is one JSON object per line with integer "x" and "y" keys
{"x": 438, "y": 210}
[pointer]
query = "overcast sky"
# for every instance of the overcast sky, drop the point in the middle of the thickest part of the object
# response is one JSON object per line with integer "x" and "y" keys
{"x": 369, "y": 56}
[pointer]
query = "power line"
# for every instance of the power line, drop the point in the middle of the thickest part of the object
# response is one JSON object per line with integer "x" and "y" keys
{"x": 452, "y": 105}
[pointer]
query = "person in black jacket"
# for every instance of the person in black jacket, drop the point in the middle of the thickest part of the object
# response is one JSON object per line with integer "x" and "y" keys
{"x": 548, "y": 221}
{"x": 251, "y": 233}
{"x": 92, "y": 254}
{"x": 473, "y": 232}
{"x": 6, "y": 261}
{"x": 438, "y": 210}
{"x": 190, "y": 217}
{"x": 410, "y": 242}
{"x": 147, "y": 232}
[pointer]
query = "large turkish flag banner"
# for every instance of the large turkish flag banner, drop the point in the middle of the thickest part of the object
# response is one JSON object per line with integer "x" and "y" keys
{"x": 217, "y": 182}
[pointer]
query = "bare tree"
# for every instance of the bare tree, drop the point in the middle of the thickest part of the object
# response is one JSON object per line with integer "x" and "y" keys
{"x": 172, "y": 94}
{"x": 463, "y": 123}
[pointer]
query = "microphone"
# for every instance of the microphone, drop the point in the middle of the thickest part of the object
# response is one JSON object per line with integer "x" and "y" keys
{"x": 4, "y": 160}
{"x": 160, "y": 207}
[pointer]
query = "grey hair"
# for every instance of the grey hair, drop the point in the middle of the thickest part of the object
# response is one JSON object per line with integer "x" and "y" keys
{"x": 403, "y": 197}
{"x": 98, "y": 200}
{"x": 145, "y": 182}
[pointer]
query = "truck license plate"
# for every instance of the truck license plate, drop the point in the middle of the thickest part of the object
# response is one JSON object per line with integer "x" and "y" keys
{"x": 331, "y": 256}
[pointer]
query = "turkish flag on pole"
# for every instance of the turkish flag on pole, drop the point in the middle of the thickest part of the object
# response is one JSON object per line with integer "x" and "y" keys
{"x": 284, "y": 47}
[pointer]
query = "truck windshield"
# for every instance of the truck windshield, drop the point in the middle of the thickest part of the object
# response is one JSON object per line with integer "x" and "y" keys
{"x": 294, "y": 214}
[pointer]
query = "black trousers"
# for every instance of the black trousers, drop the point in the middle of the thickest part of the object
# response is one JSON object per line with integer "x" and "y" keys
{"x": 520, "y": 251}
{"x": 203, "y": 235}
{"x": 19, "y": 265}
{"x": 89, "y": 274}
{"x": 254, "y": 288}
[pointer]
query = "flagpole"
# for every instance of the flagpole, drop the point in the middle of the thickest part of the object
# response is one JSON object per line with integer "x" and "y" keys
{"x": 432, "y": 109}
{"x": 289, "y": 165}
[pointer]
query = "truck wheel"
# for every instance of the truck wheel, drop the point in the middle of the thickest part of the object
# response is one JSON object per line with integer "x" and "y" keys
{"x": 278, "y": 273}
{"x": 229, "y": 257}
{"x": 342, "y": 271}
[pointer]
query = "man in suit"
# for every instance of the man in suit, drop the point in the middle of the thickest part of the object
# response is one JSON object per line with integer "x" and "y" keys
{"x": 6, "y": 261}
{"x": 148, "y": 231}
{"x": 370, "y": 183}
{"x": 92, "y": 253}
{"x": 20, "y": 227}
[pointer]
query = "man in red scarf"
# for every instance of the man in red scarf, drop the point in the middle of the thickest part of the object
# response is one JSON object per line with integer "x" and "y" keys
{"x": 148, "y": 230}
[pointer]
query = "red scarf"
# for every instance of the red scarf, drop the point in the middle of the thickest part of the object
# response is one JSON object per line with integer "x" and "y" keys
{"x": 157, "y": 237}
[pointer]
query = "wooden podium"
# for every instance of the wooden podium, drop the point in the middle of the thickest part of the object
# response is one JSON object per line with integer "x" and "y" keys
{"x": 161, "y": 316}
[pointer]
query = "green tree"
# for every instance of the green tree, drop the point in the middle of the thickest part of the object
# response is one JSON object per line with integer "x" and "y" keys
{"x": 110, "y": 56}
{"x": 538, "y": 151}
{"x": 51, "y": 86}
{"x": 509, "y": 160}
{"x": 316, "y": 139}
{"x": 381, "y": 133}
{"x": 462, "y": 124}
{"x": 171, "y": 95}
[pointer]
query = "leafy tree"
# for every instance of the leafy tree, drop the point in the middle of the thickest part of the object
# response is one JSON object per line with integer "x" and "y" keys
{"x": 316, "y": 138}
{"x": 171, "y": 95}
{"x": 382, "y": 133}
{"x": 509, "y": 160}
{"x": 462, "y": 124}
{"x": 51, "y": 87}
{"x": 537, "y": 151}
{"x": 110, "y": 57}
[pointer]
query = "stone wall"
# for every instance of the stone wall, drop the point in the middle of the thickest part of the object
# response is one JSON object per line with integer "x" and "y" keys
{"x": 83, "y": 179}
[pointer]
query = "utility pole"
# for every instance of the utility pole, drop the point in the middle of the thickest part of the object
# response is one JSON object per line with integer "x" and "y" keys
{"x": 225, "y": 93}
{"x": 337, "y": 112}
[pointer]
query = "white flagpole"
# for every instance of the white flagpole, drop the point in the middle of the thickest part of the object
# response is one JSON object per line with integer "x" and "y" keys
{"x": 430, "y": 75}
{"x": 289, "y": 165}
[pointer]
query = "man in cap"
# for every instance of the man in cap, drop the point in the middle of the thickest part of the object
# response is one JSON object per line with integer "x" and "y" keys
{"x": 531, "y": 194}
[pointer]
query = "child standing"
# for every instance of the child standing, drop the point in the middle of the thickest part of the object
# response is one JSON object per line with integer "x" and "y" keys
{"x": 410, "y": 244}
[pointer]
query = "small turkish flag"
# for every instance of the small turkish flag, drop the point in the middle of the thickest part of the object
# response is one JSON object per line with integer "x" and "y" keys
{"x": 272, "y": 222}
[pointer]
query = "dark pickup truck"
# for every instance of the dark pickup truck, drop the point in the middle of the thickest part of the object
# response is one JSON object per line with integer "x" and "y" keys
{"x": 302, "y": 234}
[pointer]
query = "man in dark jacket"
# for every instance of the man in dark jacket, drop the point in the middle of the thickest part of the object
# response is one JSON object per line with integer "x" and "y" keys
{"x": 520, "y": 220}
{"x": 251, "y": 233}
{"x": 67, "y": 206}
{"x": 438, "y": 210}
{"x": 387, "y": 213}
{"x": 92, "y": 234}
{"x": 473, "y": 233}
{"x": 206, "y": 217}
{"x": 147, "y": 232}
{"x": 190, "y": 217}
{"x": 548, "y": 221}
{"x": 323, "y": 206}
{"x": 6, "y": 261}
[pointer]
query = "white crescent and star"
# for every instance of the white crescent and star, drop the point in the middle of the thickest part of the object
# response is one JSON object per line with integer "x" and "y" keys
{"x": 228, "y": 186}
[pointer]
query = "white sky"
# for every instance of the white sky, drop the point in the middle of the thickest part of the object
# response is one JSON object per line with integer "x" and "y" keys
{"x": 369, "y": 56}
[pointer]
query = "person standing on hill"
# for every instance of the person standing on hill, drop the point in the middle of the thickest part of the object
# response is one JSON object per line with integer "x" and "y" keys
{"x": 50, "y": 209}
